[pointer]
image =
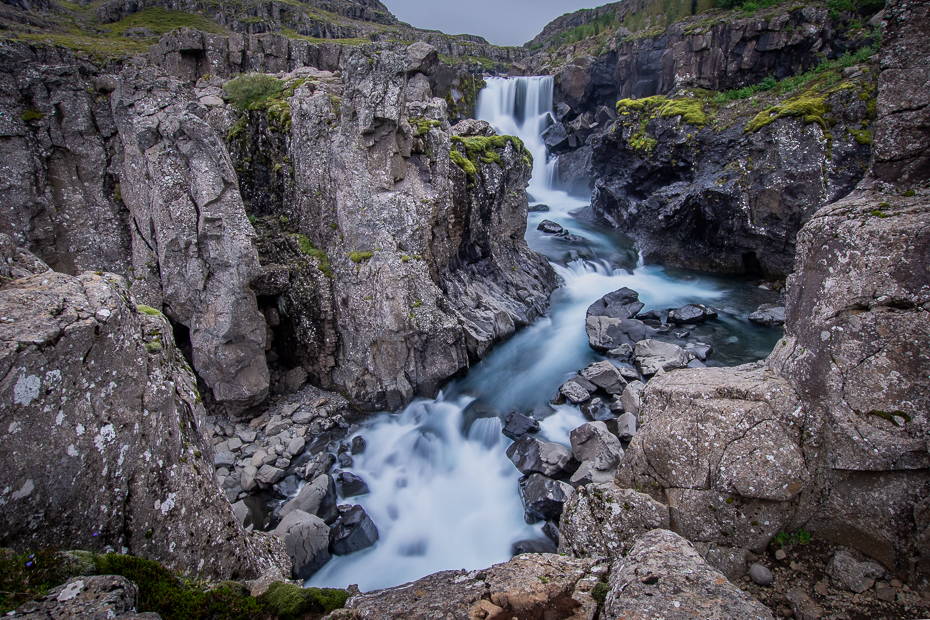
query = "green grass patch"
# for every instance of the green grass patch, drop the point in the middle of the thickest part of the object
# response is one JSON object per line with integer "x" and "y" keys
{"x": 307, "y": 249}
{"x": 800, "y": 537}
{"x": 251, "y": 88}
{"x": 149, "y": 310}
{"x": 28, "y": 576}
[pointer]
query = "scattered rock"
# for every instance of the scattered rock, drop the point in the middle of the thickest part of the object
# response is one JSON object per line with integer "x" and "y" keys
{"x": 99, "y": 596}
{"x": 550, "y": 228}
{"x": 605, "y": 375}
{"x": 760, "y": 575}
{"x": 540, "y": 208}
{"x": 530, "y": 455}
{"x": 350, "y": 485}
{"x": 803, "y": 605}
{"x": 353, "y": 531}
{"x": 544, "y": 497}
{"x": 358, "y": 445}
{"x": 607, "y": 334}
{"x": 631, "y": 399}
{"x": 593, "y": 442}
{"x": 626, "y": 426}
{"x": 691, "y": 313}
{"x": 731, "y": 561}
{"x": 654, "y": 355}
{"x": 317, "y": 498}
{"x": 620, "y": 304}
{"x": 533, "y": 545}
{"x": 847, "y": 572}
{"x": 306, "y": 539}
{"x": 768, "y": 314}
{"x": 516, "y": 425}
{"x": 573, "y": 391}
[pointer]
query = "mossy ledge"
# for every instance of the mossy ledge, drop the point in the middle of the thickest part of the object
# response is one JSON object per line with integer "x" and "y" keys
{"x": 483, "y": 149}
{"x": 28, "y": 576}
{"x": 690, "y": 109}
{"x": 809, "y": 109}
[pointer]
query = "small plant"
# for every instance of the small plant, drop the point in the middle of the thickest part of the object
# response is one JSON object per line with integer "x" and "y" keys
{"x": 25, "y": 577}
{"x": 800, "y": 537}
{"x": 246, "y": 90}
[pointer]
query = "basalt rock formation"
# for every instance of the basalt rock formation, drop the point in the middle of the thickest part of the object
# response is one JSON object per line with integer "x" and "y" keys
{"x": 93, "y": 384}
{"x": 830, "y": 433}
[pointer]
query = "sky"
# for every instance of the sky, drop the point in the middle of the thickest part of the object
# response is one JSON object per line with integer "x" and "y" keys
{"x": 502, "y": 22}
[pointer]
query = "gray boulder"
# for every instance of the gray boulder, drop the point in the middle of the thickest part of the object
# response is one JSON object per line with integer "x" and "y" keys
{"x": 850, "y": 574}
{"x": 606, "y": 334}
{"x": 760, "y": 575}
{"x": 550, "y": 228}
{"x": 531, "y": 455}
{"x": 543, "y": 498}
{"x": 603, "y": 520}
{"x": 77, "y": 337}
{"x": 594, "y": 443}
{"x": 574, "y": 392}
{"x": 353, "y": 531}
{"x": 317, "y": 498}
{"x": 731, "y": 561}
{"x": 350, "y": 485}
{"x": 631, "y": 398}
{"x": 98, "y": 596}
{"x": 620, "y": 304}
{"x": 533, "y": 545}
{"x": 605, "y": 375}
{"x": 663, "y": 576}
{"x": 691, "y": 313}
{"x": 306, "y": 539}
{"x": 768, "y": 314}
{"x": 654, "y": 355}
{"x": 269, "y": 475}
{"x": 626, "y": 426}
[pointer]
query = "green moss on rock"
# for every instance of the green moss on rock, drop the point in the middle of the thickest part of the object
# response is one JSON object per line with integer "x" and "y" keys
{"x": 809, "y": 109}
{"x": 360, "y": 257}
{"x": 483, "y": 149}
{"x": 31, "y": 115}
{"x": 306, "y": 248}
{"x": 290, "y": 602}
{"x": 148, "y": 310}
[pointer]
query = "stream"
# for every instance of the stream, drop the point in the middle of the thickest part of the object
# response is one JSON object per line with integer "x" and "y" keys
{"x": 443, "y": 494}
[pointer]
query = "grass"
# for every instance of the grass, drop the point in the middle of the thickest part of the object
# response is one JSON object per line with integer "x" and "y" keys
{"x": 149, "y": 310}
{"x": 247, "y": 90}
{"x": 800, "y": 537}
{"x": 307, "y": 249}
{"x": 25, "y": 577}
{"x": 162, "y": 21}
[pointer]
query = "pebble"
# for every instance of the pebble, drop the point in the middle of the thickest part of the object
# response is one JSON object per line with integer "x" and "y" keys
{"x": 884, "y": 593}
{"x": 761, "y": 575}
{"x": 780, "y": 555}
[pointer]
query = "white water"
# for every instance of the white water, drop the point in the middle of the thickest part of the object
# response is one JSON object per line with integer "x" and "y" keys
{"x": 444, "y": 497}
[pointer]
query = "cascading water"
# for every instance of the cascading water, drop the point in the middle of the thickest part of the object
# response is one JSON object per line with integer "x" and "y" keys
{"x": 442, "y": 492}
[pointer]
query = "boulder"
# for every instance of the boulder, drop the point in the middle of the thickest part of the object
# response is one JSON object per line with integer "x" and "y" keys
{"x": 731, "y": 561}
{"x": 550, "y": 228}
{"x": 350, "y": 485}
{"x": 306, "y": 539}
{"x": 353, "y": 531}
{"x": 663, "y": 576}
{"x": 543, "y": 498}
{"x": 517, "y": 425}
{"x": 760, "y": 575}
{"x": 317, "y": 498}
{"x": 653, "y": 355}
{"x": 95, "y": 383}
{"x": 16, "y": 263}
{"x": 699, "y": 350}
{"x": 556, "y": 138}
{"x": 631, "y": 398}
{"x": 606, "y": 334}
{"x": 626, "y": 426}
{"x": 574, "y": 392}
{"x": 528, "y": 586}
{"x": 621, "y": 304}
{"x": 531, "y": 455}
{"x": 358, "y": 445}
{"x": 691, "y": 313}
{"x": 269, "y": 474}
{"x": 603, "y": 520}
{"x": 422, "y": 58}
{"x": 768, "y": 314}
{"x": 533, "y": 545}
{"x": 848, "y": 573}
{"x": 593, "y": 442}
{"x": 605, "y": 375}
{"x": 98, "y": 596}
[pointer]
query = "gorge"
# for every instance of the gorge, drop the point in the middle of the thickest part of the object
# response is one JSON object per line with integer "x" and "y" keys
{"x": 361, "y": 311}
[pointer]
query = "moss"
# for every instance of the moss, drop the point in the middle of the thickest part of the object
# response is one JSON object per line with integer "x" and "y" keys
{"x": 307, "y": 249}
{"x": 599, "y": 593}
{"x": 423, "y": 125}
{"x": 360, "y": 257}
{"x": 148, "y": 310}
{"x": 810, "y": 109}
{"x": 417, "y": 303}
{"x": 250, "y": 89}
{"x": 31, "y": 115}
{"x": 626, "y": 106}
{"x": 291, "y": 602}
{"x": 153, "y": 347}
{"x": 175, "y": 599}
{"x": 481, "y": 149}
{"x": 862, "y": 137}
{"x": 890, "y": 416}
{"x": 691, "y": 110}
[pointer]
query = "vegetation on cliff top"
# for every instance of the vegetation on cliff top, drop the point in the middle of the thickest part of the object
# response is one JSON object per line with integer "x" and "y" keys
{"x": 481, "y": 149}
{"x": 28, "y": 576}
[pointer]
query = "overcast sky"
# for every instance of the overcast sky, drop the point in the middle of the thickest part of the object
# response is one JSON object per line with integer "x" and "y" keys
{"x": 502, "y": 22}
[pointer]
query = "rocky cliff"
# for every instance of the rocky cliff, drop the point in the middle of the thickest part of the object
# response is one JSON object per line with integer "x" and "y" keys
{"x": 93, "y": 384}
{"x": 701, "y": 180}
{"x": 830, "y": 432}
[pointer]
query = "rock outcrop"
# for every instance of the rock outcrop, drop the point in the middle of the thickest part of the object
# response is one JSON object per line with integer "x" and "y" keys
{"x": 416, "y": 233}
{"x": 192, "y": 251}
{"x": 838, "y": 411}
{"x": 93, "y": 384}
{"x": 100, "y": 596}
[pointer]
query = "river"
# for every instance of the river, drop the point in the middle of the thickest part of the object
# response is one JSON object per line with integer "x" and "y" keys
{"x": 443, "y": 493}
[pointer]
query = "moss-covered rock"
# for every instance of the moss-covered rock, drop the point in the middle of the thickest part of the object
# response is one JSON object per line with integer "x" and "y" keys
{"x": 290, "y": 602}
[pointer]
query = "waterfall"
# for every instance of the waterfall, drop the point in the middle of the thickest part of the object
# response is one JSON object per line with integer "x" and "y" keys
{"x": 522, "y": 107}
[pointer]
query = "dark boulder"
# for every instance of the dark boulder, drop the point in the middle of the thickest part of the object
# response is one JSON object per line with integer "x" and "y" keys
{"x": 350, "y": 485}
{"x": 544, "y": 498}
{"x": 533, "y": 545}
{"x": 621, "y": 304}
{"x": 605, "y": 333}
{"x": 691, "y": 313}
{"x": 517, "y": 425}
{"x": 352, "y": 532}
{"x": 530, "y": 455}
{"x": 550, "y": 228}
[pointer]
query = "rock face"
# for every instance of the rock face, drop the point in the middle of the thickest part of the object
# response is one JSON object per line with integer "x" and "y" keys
{"x": 664, "y": 576}
{"x": 726, "y": 198}
{"x": 603, "y": 520}
{"x": 101, "y": 386}
{"x": 425, "y": 261}
{"x": 192, "y": 242}
{"x": 844, "y": 444}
